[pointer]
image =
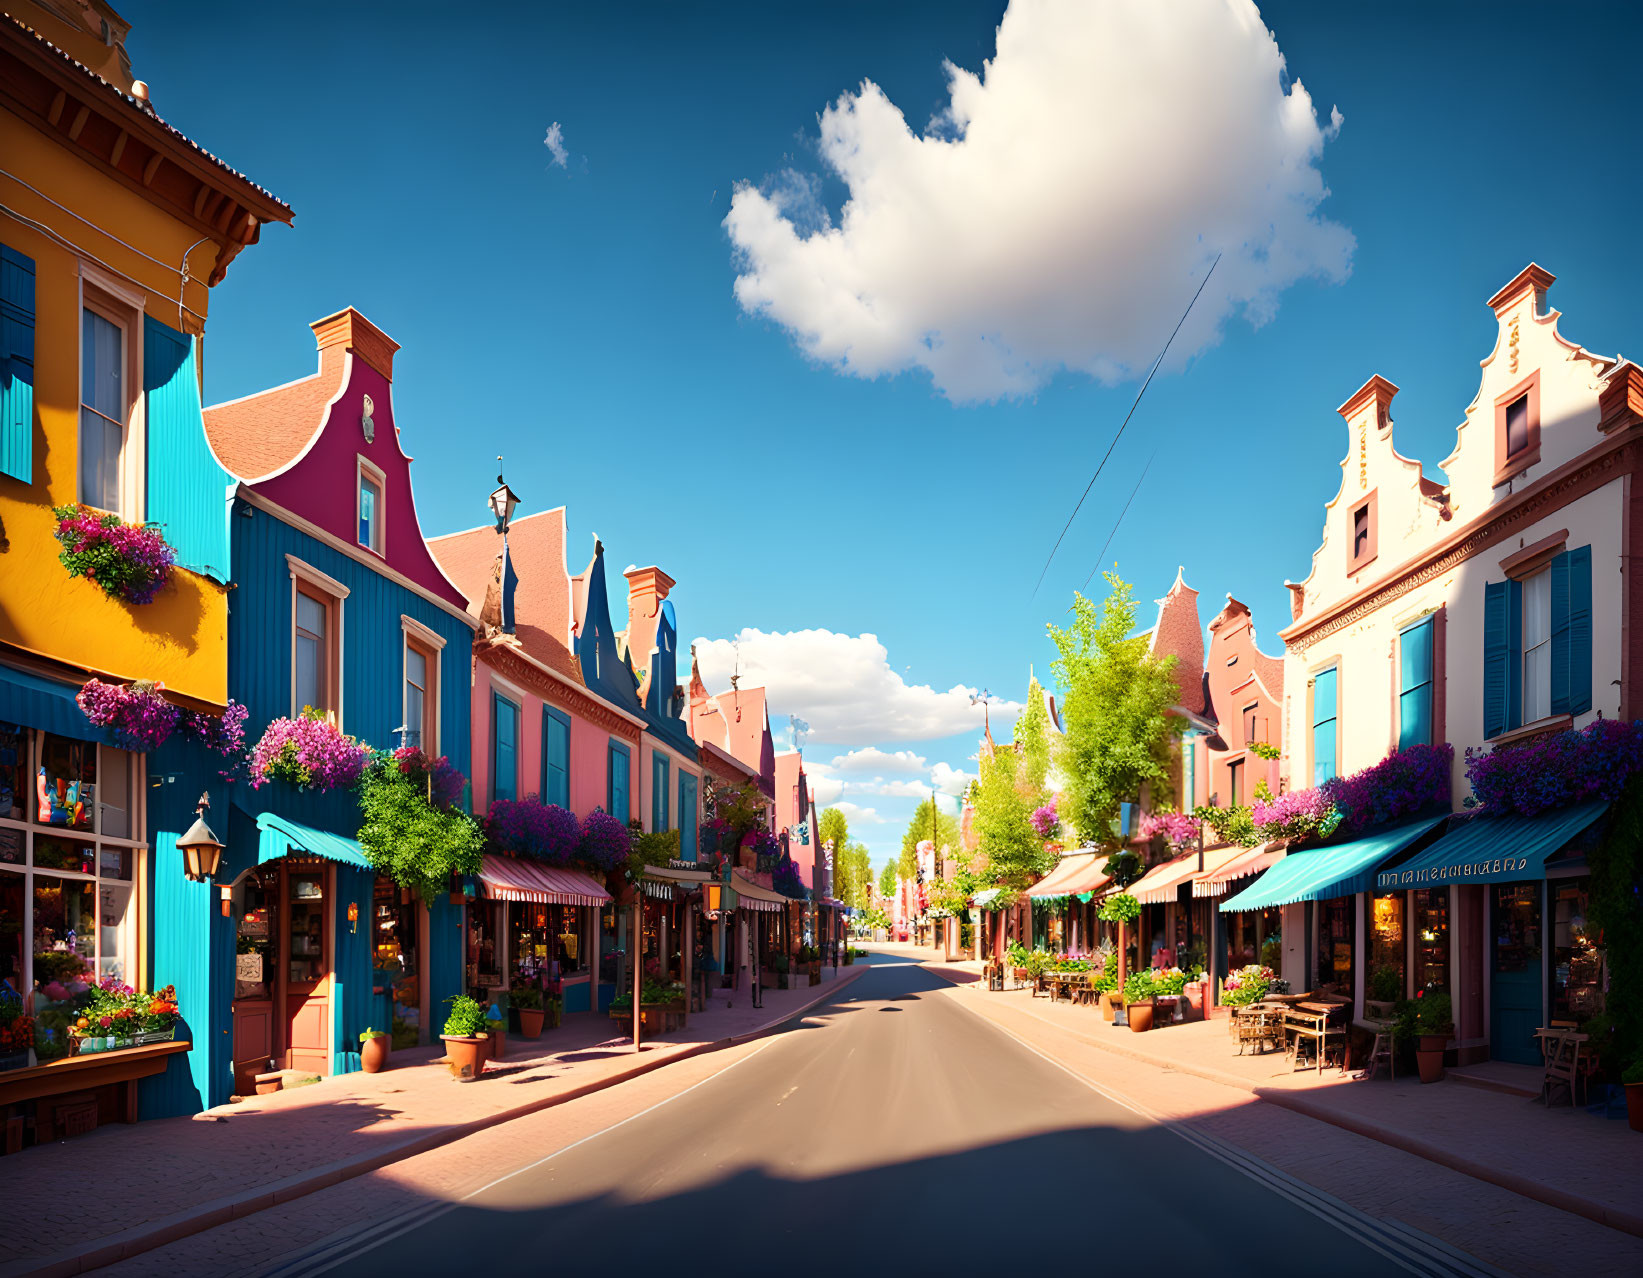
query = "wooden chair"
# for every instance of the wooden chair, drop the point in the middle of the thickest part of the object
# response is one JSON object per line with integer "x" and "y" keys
{"x": 1562, "y": 1051}
{"x": 1315, "y": 1024}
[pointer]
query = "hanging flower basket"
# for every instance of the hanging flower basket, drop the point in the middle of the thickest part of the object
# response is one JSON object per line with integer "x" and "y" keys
{"x": 138, "y": 714}
{"x": 532, "y": 828}
{"x": 1178, "y": 828}
{"x": 310, "y": 752}
{"x": 130, "y": 562}
{"x": 224, "y": 735}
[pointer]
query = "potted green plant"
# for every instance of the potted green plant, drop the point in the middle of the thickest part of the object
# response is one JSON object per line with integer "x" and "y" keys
{"x": 1632, "y": 1079}
{"x": 527, "y": 1001}
{"x": 466, "y": 1034}
{"x": 1139, "y": 987}
{"x": 780, "y": 966}
{"x": 1434, "y": 1022}
{"x": 373, "y": 1050}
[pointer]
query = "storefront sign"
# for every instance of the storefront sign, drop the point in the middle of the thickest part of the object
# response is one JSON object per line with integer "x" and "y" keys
{"x": 248, "y": 968}
{"x": 1469, "y": 871}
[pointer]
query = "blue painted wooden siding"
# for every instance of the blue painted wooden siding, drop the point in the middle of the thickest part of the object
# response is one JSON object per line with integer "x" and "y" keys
{"x": 16, "y": 365}
{"x": 188, "y": 492}
{"x": 354, "y": 1004}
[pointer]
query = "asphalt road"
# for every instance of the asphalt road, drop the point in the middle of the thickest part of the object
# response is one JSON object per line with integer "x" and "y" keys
{"x": 889, "y": 1128}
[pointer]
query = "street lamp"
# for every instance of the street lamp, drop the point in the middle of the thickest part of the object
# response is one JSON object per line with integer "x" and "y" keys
{"x": 201, "y": 849}
{"x": 503, "y": 501}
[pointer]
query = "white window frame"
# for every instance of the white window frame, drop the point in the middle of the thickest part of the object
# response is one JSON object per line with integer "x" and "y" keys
{"x": 131, "y": 490}
{"x": 434, "y": 648}
{"x": 317, "y": 581}
{"x": 1535, "y": 710}
{"x": 364, "y": 470}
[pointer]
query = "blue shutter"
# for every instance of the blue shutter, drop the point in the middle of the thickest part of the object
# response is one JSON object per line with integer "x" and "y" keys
{"x": 187, "y": 489}
{"x": 1514, "y": 654}
{"x": 618, "y": 789}
{"x": 1323, "y": 726}
{"x": 555, "y": 758}
{"x": 1496, "y": 657}
{"x": 687, "y": 816}
{"x": 1580, "y": 630}
{"x": 1415, "y": 686}
{"x": 658, "y": 791}
{"x": 1560, "y": 634}
{"x": 16, "y": 365}
{"x": 504, "y": 748}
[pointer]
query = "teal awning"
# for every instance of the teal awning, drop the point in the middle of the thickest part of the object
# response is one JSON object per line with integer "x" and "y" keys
{"x": 1493, "y": 849}
{"x": 279, "y": 837}
{"x": 31, "y": 701}
{"x": 1325, "y": 873}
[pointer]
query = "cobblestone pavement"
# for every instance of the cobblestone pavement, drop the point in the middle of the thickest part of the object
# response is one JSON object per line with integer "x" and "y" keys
{"x": 175, "y": 1176}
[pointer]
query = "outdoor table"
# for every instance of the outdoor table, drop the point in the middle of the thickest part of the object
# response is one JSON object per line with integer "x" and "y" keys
{"x": 1310, "y": 1021}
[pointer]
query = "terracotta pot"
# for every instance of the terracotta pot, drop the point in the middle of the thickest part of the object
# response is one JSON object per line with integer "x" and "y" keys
{"x": 270, "y": 1087}
{"x": 465, "y": 1056}
{"x": 1140, "y": 1016}
{"x": 499, "y": 1043}
{"x": 1634, "y": 1106}
{"x": 1429, "y": 1056}
{"x": 530, "y": 1021}
{"x": 373, "y": 1054}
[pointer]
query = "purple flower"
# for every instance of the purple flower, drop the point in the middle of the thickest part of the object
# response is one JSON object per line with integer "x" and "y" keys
{"x": 1178, "y": 828}
{"x": 605, "y": 841}
{"x": 131, "y": 562}
{"x": 139, "y": 715}
{"x": 1045, "y": 821}
{"x": 530, "y": 827}
{"x": 308, "y": 751}
{"x": 1556, "y": 771}
{"x": 1402, "y": 785}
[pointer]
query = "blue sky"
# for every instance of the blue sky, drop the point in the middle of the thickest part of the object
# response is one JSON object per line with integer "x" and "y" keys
{"x": 583, "y": 319}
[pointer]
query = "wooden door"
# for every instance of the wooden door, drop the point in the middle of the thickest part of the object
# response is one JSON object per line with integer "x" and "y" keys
{"x": 1516, "y": 983}
{"x": 307, "y": 968}
{"x": 256, "y": 963}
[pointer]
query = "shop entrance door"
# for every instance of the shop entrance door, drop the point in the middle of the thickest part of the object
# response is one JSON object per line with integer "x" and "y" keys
{"x": 1515, "y": 972}
{"x": 256, "y": 970}
{"x": 307, "y": 1017}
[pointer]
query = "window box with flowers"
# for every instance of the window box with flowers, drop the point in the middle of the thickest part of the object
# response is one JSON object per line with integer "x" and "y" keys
{"x": 412, "y": 826}
{"x": 128, "y": 562}
{"x": 137, "y": 714}
{"x": 310, "y": 752}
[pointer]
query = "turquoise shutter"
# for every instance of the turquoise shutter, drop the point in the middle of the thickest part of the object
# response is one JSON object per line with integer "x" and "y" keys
{"x": 504, "y": 749}
{"x": 1580, "y": 630}
{"x": 658, "y": 792}
{"x": 1560, "y": 634}
{"x": 187, "y": 489}
{"x": 619, "y": 782}
{"x": 1502, "y": 657}
{"x": 1514, "y": 654}
{"x": 16, "y": 365}
{"x": 555, "y": 758}
{"x": 1415, "y": 686}
{"x": 1323, "y": 726}
{"x": 687, "y": 816}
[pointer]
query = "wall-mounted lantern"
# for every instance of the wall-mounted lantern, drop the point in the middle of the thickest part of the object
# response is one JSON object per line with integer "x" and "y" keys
{"x": 201, "y": 849}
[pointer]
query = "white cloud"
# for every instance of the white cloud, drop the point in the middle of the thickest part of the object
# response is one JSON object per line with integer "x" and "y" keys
{"x": 823, "y": 789}
{"x": 872, "y": 759}
{"x": 950, "y": 780}
{"x": 555, "y": 142}
{"x": 897, "y": 789}
{"x": 1062, "y": 209}
{"x": 844, "y": 686}
{"x": 854, "y": 814}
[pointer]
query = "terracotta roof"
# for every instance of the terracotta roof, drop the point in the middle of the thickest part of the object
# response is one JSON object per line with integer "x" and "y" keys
{"x": 536, "y": 544}
{"x": 1178, "y": 634}
{"x": 260, "y": 434}
{"x": 271, "y": 204}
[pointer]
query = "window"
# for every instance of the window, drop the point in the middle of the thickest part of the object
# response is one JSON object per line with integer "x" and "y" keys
{"x": 1360, "y": 532}
{"x": 1362, "y": 549}
{"x": 1415, "y": 685}
{"x": 1251, "y": 727}
{"x": 555, "y": 757}
{"x": 313, "y": 651}
{"x": 617, "y": 795}
{"x": 419, "y": 698}
{"x": 1517, "y": 426}
{"x": 1387, "y": 941}
{"x": 687, "y": 816}
{"x": 103, "y": 410}
{"x": 1537, "y": 646}
{"x": 1189, "y": 783}
{"x": 370, "y": 506}
{"x": 67, "y": 858}
{"x": 1324, "y": 725}
{"x": 504, "y": 748}
{"x": 659, "y": 796}
{"x": 1235, "y": 782}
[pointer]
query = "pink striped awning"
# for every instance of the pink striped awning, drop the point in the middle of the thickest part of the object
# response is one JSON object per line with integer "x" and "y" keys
{"x": 508, "y": 878}
{"x": 754, "y": 897}
{"x": 1250, "y": 861}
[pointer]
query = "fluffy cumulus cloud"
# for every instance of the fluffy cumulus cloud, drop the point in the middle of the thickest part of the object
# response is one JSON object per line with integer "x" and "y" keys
{"x": 872, "y": 759}
{"x": 1061, "y": 209}
{"x": 555, "y": 142}
{"x": 950, "y": 780}
{"x": 844, "y": 687}
{"x": 854, "y": 814}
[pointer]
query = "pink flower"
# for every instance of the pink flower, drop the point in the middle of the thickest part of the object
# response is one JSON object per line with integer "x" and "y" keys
{"x": 105, "y": 1021}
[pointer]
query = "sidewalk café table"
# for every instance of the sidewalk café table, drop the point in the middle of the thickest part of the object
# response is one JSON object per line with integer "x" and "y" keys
{"x": 1260, "y": 1025}
{"x": 1310, "y": 1022}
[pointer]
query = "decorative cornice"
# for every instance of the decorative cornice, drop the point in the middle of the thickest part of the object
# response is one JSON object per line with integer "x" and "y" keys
{"x": 1616, "y": 456}
{"x": 522, "y": 670}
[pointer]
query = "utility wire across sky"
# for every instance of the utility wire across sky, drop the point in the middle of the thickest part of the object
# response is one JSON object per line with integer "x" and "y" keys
{"x": 1155, "y": 364}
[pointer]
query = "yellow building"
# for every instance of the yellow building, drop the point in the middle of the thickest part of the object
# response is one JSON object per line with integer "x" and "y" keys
{"x": 114, "y": 228}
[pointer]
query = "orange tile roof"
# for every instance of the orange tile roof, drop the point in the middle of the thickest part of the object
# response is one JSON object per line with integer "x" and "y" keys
{"x": 258, "y": 435}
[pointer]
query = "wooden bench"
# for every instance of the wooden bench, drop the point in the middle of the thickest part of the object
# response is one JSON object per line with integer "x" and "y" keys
{"x": 77, "y": 1081}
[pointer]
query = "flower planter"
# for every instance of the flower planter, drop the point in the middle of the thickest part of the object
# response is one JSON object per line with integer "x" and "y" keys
{"x": 373, "y": 1054}
{"x": 465, "y": 1056}
{"x": 1634, "y": 1106}
{"x": 1429, "y": 1056}
{"x": 1140, "y": 1016}
{"x": 530, "y": 1021}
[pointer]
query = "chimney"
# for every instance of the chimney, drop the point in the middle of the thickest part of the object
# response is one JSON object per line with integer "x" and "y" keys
{"x": 1531, "y": 277}
{"x": 350, "y": 331}
{"x": 647, "y": 588}
{"x": 1371, "y": 404}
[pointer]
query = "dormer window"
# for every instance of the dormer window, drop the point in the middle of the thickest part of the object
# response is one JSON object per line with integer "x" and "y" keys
{"x": 1517, "y": 426}
{"x": 1517, "y": 429}
{"x": 1362, "y": 547}
{"x": 370, "y": 510}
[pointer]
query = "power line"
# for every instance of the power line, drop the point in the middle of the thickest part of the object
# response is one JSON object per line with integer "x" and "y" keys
{"x": 1099, "y": 559}
{"x": 1126, "y": 422}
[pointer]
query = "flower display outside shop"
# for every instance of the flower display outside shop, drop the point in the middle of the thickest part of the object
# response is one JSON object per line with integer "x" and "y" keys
{"x": 1178, "y": 829}
{"x": 115, "y": 1015}
{"x": 785, "y": 878}
{"x": 1249, "y": 984}
{"x": 1404, "y": 784}
{"x": 532, "y": 828}
{"x": 129, "y": 562}
{"x": 137, "y": 713}
{"x": 1557, "y": 771}
{"x": 605, "y": 843}
{"x": 223, "y": 735}
{"x": 1045, "y": 822}
{"x": 1295, "y": 814}
{"x": 310, "y": 752}
{"x": 16, "y": 1030}
{"x": 412, "y": 827}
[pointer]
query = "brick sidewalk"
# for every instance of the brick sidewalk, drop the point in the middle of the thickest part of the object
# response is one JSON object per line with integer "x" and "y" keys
{"x": 1571, "y": 1160}
{"x": 168, "y": 1178}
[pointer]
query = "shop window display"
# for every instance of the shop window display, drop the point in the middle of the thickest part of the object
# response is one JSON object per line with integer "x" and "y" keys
{"x": 1431, "y": 907}
{"x": 1578, "y": 976}
{"x": 1388, "y": 940}
{"x": 255, "y": 947}
{"x": 394, "y": 955}
{"x": 1335, "y": 944}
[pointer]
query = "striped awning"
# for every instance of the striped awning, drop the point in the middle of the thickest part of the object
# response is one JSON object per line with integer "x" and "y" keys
{"x": 1322, "y": 874}
{"x": 1157, "y": 886}
{"x": 507, "y": 878}
{"x": 754, "y": 897}
{"x": 278, "y": 837}
{"x": 1076, "y": 872}
{"x": 1249, "y": 861}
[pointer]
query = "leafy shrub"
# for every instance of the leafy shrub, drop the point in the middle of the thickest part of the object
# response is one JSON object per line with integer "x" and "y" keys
{"x": 417, "y": 843}
{"x": 467, "y": 1018}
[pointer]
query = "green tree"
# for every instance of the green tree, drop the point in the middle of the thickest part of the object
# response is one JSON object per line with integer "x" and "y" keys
{"x": 887, "y": 879}
{"x": 918, "y": 830}
{"x": 1118, "y": 732}
{"x": 857, "y": 876}
{"x": 1032, "y": 740}
{"x": 831, "y": 825}
{"x": 1014, "y": 854}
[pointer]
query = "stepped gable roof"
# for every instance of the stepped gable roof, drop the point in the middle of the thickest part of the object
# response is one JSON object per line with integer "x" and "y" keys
{"x": 604, "y": 669}
{"x": 1269, "y": 669}
{"x": 1177, "y": 633}
{"x": 542, "y": 600}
